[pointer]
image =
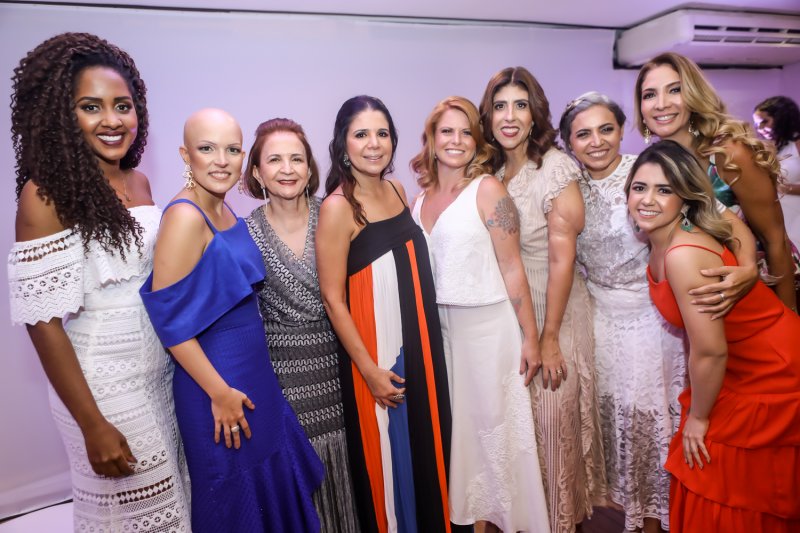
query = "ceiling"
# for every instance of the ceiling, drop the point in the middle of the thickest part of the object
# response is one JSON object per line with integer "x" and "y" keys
{"x": 596, "y": 13}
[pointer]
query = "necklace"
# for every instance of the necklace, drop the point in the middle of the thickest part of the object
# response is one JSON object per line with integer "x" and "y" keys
{"x": 125, "y": 188}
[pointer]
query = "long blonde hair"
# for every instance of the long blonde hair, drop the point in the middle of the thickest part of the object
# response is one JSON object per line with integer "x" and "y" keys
{"x": 424, "y": 163}
{"x": 709, "y": 116}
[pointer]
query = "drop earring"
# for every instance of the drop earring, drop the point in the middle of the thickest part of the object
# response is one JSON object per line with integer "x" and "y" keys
{"x": 188, "y": 176}
{"x": 686, "y": 224}
{"x": 692, "y": 129}
{"x": 647, "y": 135}
{"x": 346, "y": 161}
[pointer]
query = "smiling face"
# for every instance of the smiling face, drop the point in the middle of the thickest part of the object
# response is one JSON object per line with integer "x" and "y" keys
{"x": 511, "y": 117}
{"x": 764, "y": 124}
{"x": 662, "y": 106}
{"x": 369, "y": 144}
{"x": 105, "y": 112}
{"x": 213, "y": 149}
{"x": 595, "y": 138}
{"x": 283, "y": 168}
{"x": 651, "y": 201}
{"x": 453, "y": 143}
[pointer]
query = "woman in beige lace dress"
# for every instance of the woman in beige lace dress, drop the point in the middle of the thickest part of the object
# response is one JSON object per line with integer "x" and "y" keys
{"x": 542, "y": 182}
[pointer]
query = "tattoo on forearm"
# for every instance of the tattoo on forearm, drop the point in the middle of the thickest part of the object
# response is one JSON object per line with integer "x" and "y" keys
{"x": 505, "y": 216}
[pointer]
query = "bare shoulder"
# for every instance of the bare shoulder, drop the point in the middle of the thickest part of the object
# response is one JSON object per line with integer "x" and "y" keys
{"x": 690, "y": 253}
{"x": 336, "y": 215}
{"x": 183, "y": 218}
{"x": 491, "y": 189}
{"x": 36, "y": 217}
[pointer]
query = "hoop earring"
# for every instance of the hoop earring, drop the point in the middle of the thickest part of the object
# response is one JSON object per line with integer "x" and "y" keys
{"x": 686, "y": 224}
{"x": 647, "y": 135}
{"x": 188, "y": 176}
{"x": 346, "y": 161}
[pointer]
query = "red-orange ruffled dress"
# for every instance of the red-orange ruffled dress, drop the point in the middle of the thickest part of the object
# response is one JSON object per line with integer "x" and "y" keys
{"x": 753, "y": 481}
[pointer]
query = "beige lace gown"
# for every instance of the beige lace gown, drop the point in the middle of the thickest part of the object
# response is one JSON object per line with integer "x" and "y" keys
{"x": 568, "y": 419}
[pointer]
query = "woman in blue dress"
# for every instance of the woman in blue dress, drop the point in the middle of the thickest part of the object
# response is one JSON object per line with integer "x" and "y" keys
{"x": 201, "y": 300}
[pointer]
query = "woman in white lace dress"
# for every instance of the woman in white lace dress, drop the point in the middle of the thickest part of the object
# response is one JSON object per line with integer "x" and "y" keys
{"x": 85, "y": 230}
{"x": 542, "y": 180}
{"x": 639, "y": 356}
{"x": 488, "y": 327}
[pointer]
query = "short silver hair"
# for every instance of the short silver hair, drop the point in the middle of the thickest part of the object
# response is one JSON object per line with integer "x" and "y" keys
{"x": 582, "y": 103}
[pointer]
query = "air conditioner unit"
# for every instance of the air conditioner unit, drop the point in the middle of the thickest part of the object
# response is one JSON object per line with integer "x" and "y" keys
{"x": 714, "y": 38}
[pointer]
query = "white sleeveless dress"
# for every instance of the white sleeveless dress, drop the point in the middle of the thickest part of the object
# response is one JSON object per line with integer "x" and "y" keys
{"x": 128, "y": 371}
{"x": 494, "y": 464}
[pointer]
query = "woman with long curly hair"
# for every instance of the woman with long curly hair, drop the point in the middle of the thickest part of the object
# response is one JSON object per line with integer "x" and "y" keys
{"x": 488, "y": 325}
{"x": 85, "y": 229}
{"x": 542, "y": 181}
{"x": 673, "y": 100}
{"x": 377, "y": 287}
{"x": 735, "y": 458}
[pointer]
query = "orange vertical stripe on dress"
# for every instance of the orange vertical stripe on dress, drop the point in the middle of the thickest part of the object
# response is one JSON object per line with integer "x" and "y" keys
{"x": 427, "y": 358}
{"x": 362, "y": 309}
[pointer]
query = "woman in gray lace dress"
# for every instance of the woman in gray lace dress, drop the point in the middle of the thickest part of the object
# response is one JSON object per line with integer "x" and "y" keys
{"x": 302, "y": 344}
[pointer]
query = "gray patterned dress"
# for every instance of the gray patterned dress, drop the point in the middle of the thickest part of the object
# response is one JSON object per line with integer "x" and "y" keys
{"x": 303, "y": 351}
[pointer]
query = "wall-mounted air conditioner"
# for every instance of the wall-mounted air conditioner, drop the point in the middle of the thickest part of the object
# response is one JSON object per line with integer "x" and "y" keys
{"x": 714, "y": 38}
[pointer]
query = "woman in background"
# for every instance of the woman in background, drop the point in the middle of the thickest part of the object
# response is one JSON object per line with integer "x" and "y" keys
{"x": 542, "y": 181}
{"x": 736, "y": 456}
{"x": 202, "y": 301}
{"x": 488, "y": 326}
{"x": 303, "y": 349}
{"x": 639, "y": 356}
{"x": 377, "y": 287}
{"x": 85, "y": 230}
{"x": 674, "y": 101}
{"x": 778, "y": 119}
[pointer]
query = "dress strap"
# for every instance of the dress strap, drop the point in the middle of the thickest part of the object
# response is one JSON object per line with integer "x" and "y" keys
{"x": 397, "y": 193}
{"x": 229, "y": 209}
{"x": 690, "y": 246}
{"x": 185, "y": 201}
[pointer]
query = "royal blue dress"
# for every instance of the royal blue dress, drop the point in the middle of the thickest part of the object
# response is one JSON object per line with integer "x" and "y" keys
{"x": 267, "y": 484}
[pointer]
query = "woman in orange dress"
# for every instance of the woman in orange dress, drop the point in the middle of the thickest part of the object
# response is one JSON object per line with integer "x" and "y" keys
{"x": 735, "y": 461}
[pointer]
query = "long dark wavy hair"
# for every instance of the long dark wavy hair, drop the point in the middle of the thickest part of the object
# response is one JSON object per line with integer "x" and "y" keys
{"x": 50, "y": 147}
{"x": 785, "y": 119}
{"x": 339, "y": 173}
{"x": 543, "y": 134}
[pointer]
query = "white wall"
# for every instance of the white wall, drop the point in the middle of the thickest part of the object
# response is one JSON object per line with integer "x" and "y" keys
{"x": 258, "y": 67}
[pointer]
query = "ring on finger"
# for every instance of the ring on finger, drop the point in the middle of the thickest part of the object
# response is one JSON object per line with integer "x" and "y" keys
{"x": 397, "y": 397}
{"x": 235, "y": 429}
{"x": 559, "y": 371}
{"x": 721, "y": 296}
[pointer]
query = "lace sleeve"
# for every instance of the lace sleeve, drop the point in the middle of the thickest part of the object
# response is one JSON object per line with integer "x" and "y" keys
{"x": 45, "y": 277}
{"x": 559, "y": 171}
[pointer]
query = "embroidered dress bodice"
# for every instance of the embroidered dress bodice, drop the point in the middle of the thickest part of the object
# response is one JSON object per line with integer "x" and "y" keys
{"x": 462, "y": 256}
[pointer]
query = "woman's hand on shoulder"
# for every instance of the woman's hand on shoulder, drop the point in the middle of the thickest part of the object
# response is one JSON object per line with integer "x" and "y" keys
{"x": 36, "y": 218}
{"x": 182, "y": 239}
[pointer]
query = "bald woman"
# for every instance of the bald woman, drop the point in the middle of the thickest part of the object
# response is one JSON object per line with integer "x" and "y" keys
{"x": 251, "y": 465}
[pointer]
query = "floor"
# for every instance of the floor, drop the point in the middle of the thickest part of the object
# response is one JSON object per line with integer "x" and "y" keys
{"x": 58, "y": 519}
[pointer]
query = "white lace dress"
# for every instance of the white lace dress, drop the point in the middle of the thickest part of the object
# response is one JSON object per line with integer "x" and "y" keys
{"x": 639, "y": 357}
{"x": 567, "y": 420}
{"x": 494, "y": 464}
{"x": 127, "y": 369}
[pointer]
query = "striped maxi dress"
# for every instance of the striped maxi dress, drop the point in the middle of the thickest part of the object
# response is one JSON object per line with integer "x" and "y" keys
{"x": 400, "y": 482}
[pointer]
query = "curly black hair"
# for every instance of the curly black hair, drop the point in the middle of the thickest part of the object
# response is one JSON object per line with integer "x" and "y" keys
{"x": 50, "y": 147}
{"x": 785, "y": 119}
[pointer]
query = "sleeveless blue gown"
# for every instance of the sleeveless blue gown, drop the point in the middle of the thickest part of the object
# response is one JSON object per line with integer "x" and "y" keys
{"x": 267, "y": 484}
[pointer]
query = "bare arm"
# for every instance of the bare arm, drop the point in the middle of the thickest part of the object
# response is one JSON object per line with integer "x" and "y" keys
{"x": 564, "y": 222}
{"x": 719, "y": 297}
{"x": 758, "y": 198}
{"x": 182, "y": 238}
{"x": 501, "y": 218}
{"x": 335, "y": 230}
{"x": 106, "y": 448}
{"x": 708, "y": 349}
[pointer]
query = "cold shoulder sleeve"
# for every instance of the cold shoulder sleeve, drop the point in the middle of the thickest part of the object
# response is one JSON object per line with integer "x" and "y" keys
{"x": 225, "y": 275}
{"x": 45, "y": 277}
{"x": 559, "y": 170}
